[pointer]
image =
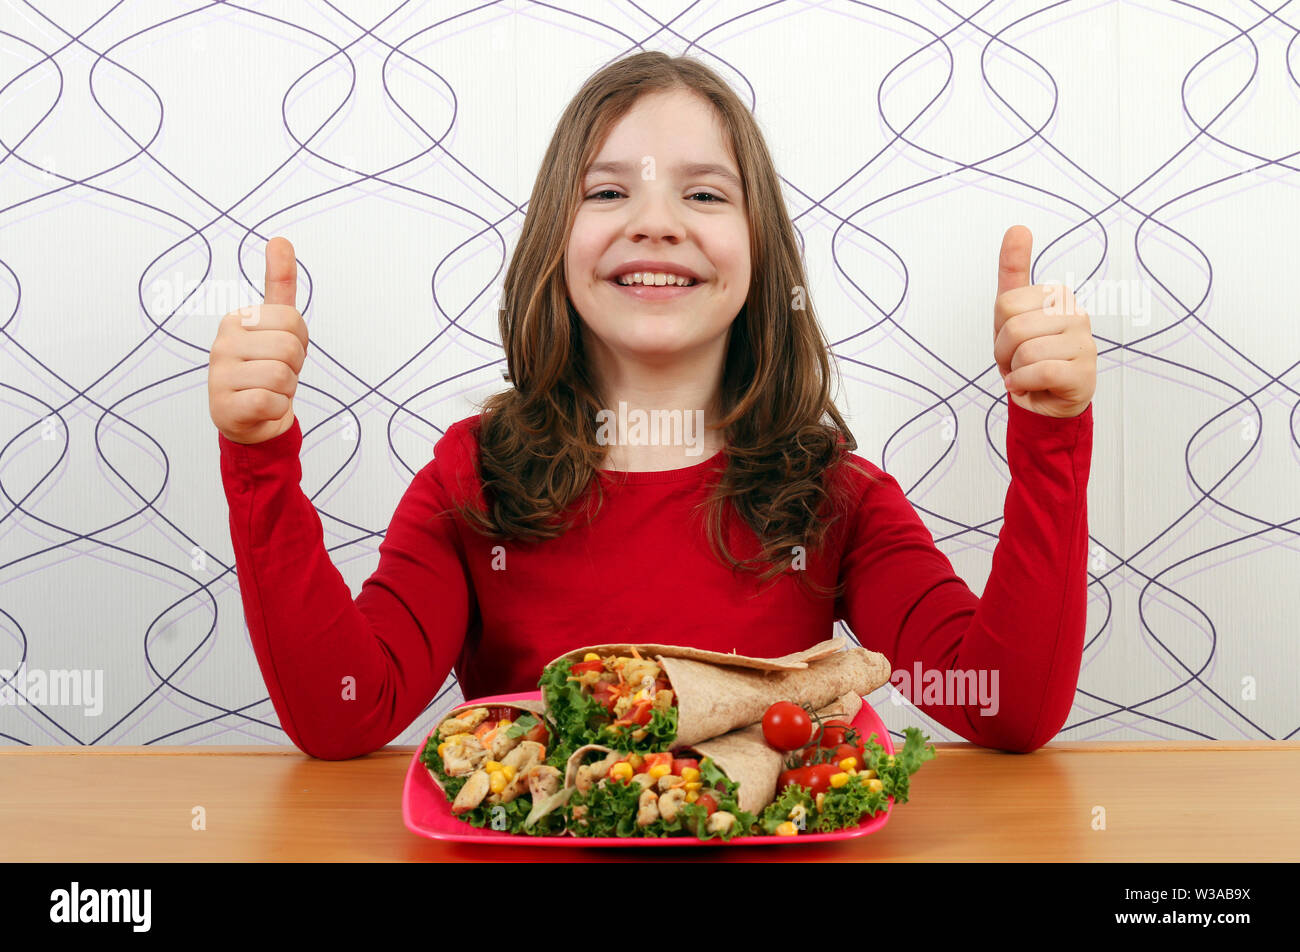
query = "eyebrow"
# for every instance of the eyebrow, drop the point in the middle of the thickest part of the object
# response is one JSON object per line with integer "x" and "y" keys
{"x": 685, "y": 168}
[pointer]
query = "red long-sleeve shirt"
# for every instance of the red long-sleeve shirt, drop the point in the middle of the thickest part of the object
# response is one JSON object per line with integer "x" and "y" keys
{"x": 443, "y": 596}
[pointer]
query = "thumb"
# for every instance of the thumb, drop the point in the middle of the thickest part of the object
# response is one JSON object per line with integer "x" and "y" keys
{"x": 1013, "y": 261}
{"x": 281, "y": 286}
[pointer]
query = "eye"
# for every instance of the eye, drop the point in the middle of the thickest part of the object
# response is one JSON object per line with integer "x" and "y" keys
{"x": 714, "y": 199}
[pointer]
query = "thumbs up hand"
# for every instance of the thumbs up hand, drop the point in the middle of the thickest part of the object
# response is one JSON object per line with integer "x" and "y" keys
{"x": 1042, "y": 339}
{"x": 255, "y": 360}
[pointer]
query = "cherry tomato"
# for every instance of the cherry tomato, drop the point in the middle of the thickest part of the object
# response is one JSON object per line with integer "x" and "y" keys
{"x": 819, "y": 777}
{"x": 681, "y": 763}
{"x": 710, "y": 805}
{"x": 786, "y": 726}
{"x": 797, "y": 775}
{"x": 834, "y": 733}
{"x": 844, "y": 751}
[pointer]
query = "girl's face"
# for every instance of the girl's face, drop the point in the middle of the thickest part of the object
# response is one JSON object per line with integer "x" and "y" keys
{"x": 650, "y": 195}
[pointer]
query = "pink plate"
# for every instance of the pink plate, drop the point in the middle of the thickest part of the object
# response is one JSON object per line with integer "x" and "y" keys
{"x": 426, "y": 810}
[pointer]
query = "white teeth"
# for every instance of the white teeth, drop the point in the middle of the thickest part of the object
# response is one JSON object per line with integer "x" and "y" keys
{"x": 657, "y": 278}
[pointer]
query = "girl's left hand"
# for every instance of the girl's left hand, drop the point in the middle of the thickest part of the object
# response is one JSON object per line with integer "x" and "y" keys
{"x": 1043, "y": 340}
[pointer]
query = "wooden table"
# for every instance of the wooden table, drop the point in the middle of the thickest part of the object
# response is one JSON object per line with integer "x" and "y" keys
{"x": 1183, "y": 801}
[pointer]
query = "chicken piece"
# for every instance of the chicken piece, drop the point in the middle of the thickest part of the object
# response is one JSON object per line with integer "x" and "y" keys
{"x": 523, "y": 758}
{"x": 502, "y": 744}
{"x": 648, "y": 808}
{"x": 543, "y": 781}
{"x": 721, "y": 822}
{"x": 472, "y": 794}
{"x": 463, "y": 723}
{"x": 636, "y": 671}
{"x": 670, "y": 801}
{"x": 663, "y": 700}
{"x": 465, "y": 757}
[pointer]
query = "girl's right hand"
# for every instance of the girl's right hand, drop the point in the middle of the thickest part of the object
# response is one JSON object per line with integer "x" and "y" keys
{"x": 254, "y": 363}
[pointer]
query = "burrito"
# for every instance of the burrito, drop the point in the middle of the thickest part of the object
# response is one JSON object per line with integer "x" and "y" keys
{"x": 715, "y": 788}
{"x": 650, "y": 698}
{"x": 490, "y": 762}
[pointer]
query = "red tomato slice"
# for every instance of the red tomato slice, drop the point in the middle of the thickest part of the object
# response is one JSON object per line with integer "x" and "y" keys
{"x": 605, "y": 694}
{"x": 583, "y": 667}
{"x": 639, "y": 714}
{"x": 681, "y": 763}
{"x": 652, "y": 760}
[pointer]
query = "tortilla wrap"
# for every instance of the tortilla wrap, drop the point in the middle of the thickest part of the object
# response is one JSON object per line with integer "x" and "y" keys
{"x": 745, "y": 757}
{"x": 531, "y": 706}
{"x": 712, "y": 700}
{"x": 790, "y": 662}
{"x": 716, "y": 692}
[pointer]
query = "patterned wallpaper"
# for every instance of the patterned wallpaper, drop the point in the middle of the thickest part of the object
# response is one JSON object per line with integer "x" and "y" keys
{"x": 148, "y": 150}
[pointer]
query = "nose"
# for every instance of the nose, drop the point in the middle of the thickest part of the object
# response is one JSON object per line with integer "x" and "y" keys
{"x": 653, "y": 214}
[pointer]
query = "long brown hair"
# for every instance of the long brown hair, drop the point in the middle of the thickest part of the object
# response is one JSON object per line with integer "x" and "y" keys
{"x": 538, "y": 449}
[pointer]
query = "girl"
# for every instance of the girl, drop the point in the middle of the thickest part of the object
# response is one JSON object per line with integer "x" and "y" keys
{"x": 542, "y": 524}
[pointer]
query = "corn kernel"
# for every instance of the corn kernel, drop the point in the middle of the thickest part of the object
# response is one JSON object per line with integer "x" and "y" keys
{"x": 875, "y": 786}
{"x": 508, "y": 771}
{"x": 621, "y": 771}
{"x": 868, "y": 773}
{"x": 636, "y": 760}
{"x": 848, "y": 763}
{"x": 693, "y": 785}
{"x": 591, "y": 656}
{"x": 690, "y": 774}
{"x": 442, "y": 749}
{"x": 839, "y": 779}
{"x": 497, "y": 781}
{"x": 821, "y": 797}
{"x": 787, "y": 829}
{"x": 692, "y": 796}
{"x": 889, "y": 761}
{"x": 492, "y": 766}
{"x": 659, "y": 770}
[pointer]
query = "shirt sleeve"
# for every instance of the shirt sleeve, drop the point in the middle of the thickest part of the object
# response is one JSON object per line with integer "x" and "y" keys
{"x": 1025, "y": 636}
{"x": 345, "y": 676}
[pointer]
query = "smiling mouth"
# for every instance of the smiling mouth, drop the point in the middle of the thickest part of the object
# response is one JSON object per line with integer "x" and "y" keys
{"x": 653, "y": 292}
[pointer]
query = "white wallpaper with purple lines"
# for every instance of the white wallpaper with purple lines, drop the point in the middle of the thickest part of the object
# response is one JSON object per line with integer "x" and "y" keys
{"x": 149, "y": 149}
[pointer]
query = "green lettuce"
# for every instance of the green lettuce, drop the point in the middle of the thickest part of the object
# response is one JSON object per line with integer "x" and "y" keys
{"x": 845, "y": 806}
{"x": 580, "y": 719}
{"x": 611, "y": 809}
